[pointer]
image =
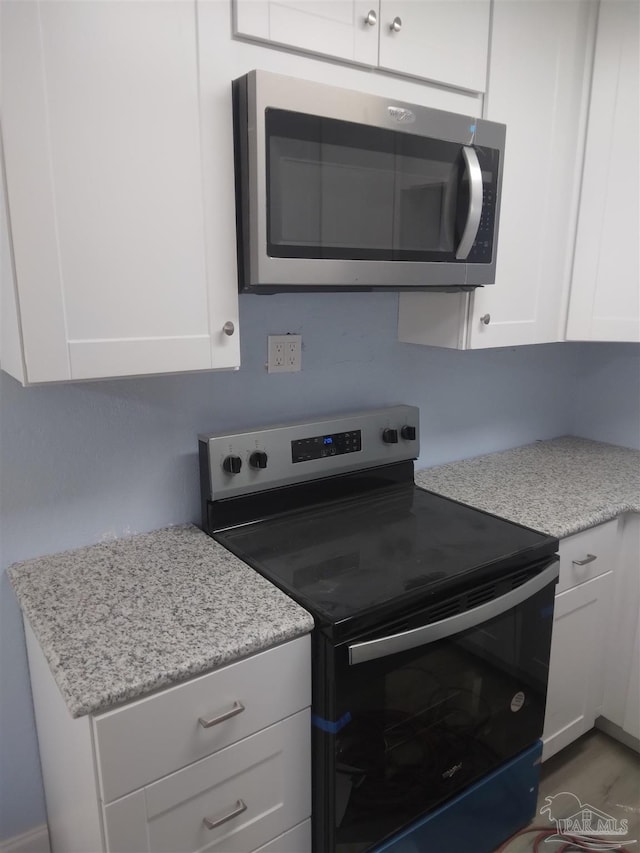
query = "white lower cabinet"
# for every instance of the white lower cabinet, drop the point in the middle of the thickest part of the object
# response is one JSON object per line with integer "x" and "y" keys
{"x": 293, "y": 841}
{"x": 231, "y": 802}
{"x": 631, "y": 719}
{"x": 621, "y": 704}
{"x": 580, "y": 626}
{"x": 221, "y": 762}
{"x": 576, "y": 668}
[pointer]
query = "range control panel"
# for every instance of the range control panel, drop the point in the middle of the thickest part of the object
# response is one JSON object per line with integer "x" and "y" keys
{"x": 320, "y": 446}
{"x": 240, "y": 463}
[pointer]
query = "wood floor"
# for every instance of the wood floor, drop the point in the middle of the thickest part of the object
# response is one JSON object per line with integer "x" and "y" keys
{"x": 602, "y": 774}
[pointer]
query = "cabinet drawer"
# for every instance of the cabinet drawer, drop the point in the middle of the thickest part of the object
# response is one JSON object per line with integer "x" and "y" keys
{"x": 296, "y": 840}
{"x": 148, "y": 739}
{"x": 252, "y": 792}
{"x": 587, "y": 555}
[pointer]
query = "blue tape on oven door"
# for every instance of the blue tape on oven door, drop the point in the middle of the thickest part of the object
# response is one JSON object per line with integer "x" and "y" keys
{"x": 328, "y": 725}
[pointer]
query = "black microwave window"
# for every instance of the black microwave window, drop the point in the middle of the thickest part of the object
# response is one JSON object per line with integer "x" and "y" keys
{"x": 342, "y": 190}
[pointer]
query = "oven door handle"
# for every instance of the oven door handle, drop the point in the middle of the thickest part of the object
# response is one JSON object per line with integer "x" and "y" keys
{"x": 395, "y": 643}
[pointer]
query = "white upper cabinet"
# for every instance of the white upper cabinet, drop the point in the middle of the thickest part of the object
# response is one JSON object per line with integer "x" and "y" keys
{"x": 340, "y": 28}
{"x": 441, "y": 40}
{"x": 605, "y": 290}
{"x": 539, "y": 71}
{"x": 445, "y": 41}
{"x": 112, "y": 270}
{"x": 539, "y": 67}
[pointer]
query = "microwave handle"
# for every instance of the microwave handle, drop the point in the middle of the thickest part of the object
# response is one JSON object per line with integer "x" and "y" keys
{"x": 472, "y": 167}
{"x": 395, "y": 643}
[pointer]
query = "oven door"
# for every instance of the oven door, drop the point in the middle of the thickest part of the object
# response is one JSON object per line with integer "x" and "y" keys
{"x": 341, "y": 186}
{"x": 418, "y": 712}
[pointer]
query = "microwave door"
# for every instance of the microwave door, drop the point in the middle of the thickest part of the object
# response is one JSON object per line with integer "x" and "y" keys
{"x": 337, "y": 190}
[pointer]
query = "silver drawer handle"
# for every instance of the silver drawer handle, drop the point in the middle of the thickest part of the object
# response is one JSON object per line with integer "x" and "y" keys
{"x": 239, "y": 807}
{"x": 396, "y": 25}
{"x": 588, "y": 559}
{"x": 236, "y": 708}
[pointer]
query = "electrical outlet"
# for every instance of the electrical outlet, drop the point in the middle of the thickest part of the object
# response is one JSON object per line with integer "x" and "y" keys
{"x": 284, "y": 353}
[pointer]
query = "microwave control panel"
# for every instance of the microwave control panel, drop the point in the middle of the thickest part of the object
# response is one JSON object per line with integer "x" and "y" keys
{"x": 482, "y": 249}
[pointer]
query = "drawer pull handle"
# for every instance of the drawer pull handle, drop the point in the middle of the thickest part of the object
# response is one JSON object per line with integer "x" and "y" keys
{"x": 588, "y": 559}
{"x": 239, "y": 807}
{"x": 236, "y": 708}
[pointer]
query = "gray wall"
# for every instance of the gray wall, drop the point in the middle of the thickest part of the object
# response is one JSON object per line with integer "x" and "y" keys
{"x": 606, "y": 399}
{"x": 80, "y": 463}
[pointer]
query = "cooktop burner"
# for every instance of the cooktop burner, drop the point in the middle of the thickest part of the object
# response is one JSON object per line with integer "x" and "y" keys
{"x": 341, "y": 559}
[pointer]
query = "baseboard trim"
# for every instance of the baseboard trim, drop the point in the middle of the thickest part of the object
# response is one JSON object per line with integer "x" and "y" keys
{"x": 34, "y": 841}
{"x": 615, "y": 732}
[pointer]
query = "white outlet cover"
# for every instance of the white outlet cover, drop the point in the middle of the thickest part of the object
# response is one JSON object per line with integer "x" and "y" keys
{"x": 284, "y": 353}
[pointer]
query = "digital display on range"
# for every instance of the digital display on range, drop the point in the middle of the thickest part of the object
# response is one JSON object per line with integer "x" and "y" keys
{"x": 321, "y": 446}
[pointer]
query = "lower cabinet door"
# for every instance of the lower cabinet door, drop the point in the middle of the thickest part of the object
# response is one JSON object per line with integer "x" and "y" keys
{"x": 631, "y": 721}
{"x": 234, "y": 801}
{"x": 622, "y": 692}
{"x": 576, "y": 668}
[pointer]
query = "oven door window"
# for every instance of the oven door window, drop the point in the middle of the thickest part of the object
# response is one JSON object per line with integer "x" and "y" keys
{"x": 425, "y": 723}
{"x": 337, "y": 189}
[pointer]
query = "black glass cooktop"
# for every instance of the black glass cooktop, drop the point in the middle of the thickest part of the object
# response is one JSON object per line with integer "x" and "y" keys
{"x": 399, "y": 545}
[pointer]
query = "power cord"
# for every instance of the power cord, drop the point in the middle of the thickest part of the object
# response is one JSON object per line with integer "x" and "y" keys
{"x": 571, "y": 842}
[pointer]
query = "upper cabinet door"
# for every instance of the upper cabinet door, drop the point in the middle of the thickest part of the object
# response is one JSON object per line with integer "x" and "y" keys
{"x": 102, "y": 144}
{"x": 441, "y": 40}
{"x": 605, "y": 288}
{"x": 538, "y": 85}
{"x": 346, "y": 29}
{"x": 539, "y": 71}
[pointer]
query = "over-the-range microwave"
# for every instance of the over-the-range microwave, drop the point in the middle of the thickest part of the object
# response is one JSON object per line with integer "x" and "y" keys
{"x": 341, "y": 190}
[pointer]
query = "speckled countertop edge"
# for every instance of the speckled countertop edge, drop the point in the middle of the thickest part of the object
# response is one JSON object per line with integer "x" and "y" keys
{"x": 120, "y": 620}
{"x": 117, "y": 621}
{"x": 560, "y": 486}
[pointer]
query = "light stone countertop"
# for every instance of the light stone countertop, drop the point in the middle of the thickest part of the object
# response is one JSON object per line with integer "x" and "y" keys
{"x": 559, "y": 486}
{"x": 119, "y": 620}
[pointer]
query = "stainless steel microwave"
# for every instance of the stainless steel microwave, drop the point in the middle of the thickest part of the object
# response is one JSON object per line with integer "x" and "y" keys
{"x": 340, "y": 190}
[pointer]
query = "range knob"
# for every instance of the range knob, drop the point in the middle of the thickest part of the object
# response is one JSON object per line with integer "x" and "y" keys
{"x": 258, "y": 459}
{"x": 390, "y": 436}
{"x": 232, "y": 464}
{"x": 408, "y": 433}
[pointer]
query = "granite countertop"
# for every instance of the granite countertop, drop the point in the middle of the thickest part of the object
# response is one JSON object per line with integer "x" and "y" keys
{"x": 119, "y": 620}
{"x": 560, "y": 486}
